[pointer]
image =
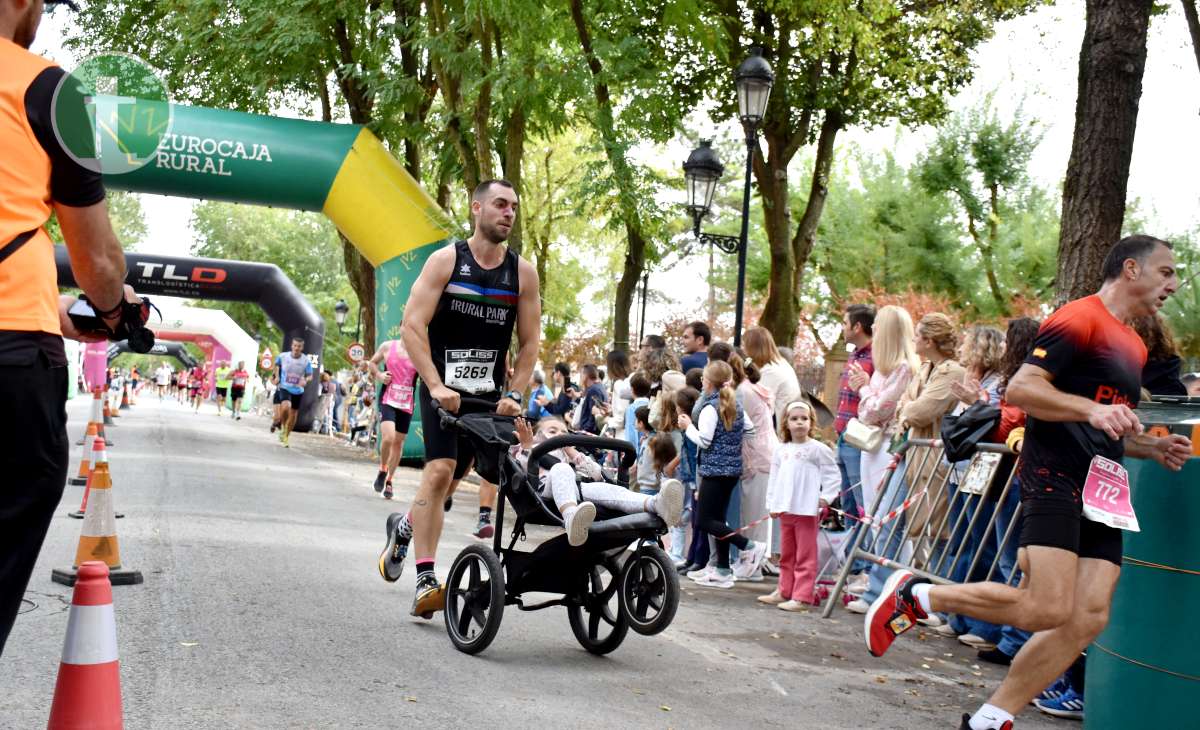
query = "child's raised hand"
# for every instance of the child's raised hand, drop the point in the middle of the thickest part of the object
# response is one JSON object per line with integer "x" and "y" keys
{"x": 523, "y": 433}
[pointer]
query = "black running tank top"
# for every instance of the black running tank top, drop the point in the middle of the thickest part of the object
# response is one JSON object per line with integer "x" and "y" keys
{"x": 472, "y": 326}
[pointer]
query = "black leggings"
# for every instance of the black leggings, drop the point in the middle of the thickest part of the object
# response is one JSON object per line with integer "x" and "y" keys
{"x": 715, "y": 493}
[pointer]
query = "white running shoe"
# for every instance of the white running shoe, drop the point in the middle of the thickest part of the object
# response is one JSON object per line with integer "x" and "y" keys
{"x": 578, "y": 522}
{"x": 858, "y": 605}
{"x": 749, "y": 560}
{"x": 669, "y": 503}
{"x": 932, "y": 621}
{"x": 976, "y": 642}
{"x": 946, "y": 630}
{"x": 701, "y": 573}
{"x": 859, "y": 584}
{"x": 716, "y": 579}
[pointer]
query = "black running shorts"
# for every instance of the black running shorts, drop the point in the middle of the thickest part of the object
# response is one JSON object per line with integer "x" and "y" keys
{"x": 237, "y": 391}
{"x": 395, "y": 415}
{"x": 222, "y": 392}
{"x": 1052, "y": 516}
{"x": 278, "y": 397}
{"x": 293, "y": 398}
{"x": 441, "y": 443}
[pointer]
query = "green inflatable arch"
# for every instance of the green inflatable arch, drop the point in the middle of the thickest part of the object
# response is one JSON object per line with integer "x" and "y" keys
{"x": 341, "y": 170}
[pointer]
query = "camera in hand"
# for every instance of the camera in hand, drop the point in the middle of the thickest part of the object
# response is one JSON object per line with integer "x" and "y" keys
{"x": 131, "y": 326}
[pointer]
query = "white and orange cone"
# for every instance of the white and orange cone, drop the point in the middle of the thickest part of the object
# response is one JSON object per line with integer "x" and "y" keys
{"x": 99, "y": 456}
{"x": 85, "y": 463}
{"x": 98, "y": 537}
{"x": 88, "y": 691}
{"x": 97, "y": 418}
{"x": 124, "y": 397}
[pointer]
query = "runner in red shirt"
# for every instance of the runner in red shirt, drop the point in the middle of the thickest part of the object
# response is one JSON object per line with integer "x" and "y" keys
{"x": 237, "y": 388}
{"x": 1078, "y": 387}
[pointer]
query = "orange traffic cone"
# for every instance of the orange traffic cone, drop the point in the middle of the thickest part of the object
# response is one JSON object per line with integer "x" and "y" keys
{"x": 112, "y": 405}
{"x": 124, "y": 397}
{"x": 98, "y": 537}
{"x": 107, "y": 413}
{"x": 88, "y": 691}
{"x": 99, "y": 456}
{"x": 85, "y": 465}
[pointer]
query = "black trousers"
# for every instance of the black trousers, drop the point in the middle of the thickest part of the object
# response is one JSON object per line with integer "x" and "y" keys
{"x": 715, "y": 493}
{"x": 33, "y": 472}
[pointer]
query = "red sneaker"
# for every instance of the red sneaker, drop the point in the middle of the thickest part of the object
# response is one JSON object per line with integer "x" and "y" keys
{"x": 893, "y": 613}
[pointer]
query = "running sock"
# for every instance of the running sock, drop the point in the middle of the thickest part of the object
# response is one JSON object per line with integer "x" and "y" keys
{"x": 424, "y": 565}
{"x": 920, "y": 593}
{"x": 651, "y": 503}
{"x": 989, "y": 717}
{"x": 404, "y": 528}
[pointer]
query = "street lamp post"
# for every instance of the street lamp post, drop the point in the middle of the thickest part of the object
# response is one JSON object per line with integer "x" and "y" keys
{"x": 702, "y": 171}
{"x": 340, "y": 311}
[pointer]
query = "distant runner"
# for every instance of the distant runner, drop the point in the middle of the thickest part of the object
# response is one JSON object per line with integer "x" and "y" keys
{"x": 395, "y": 408}
{"x": 293, "y": 371}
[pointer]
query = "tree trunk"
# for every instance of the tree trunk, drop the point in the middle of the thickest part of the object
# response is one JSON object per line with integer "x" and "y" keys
{"x": 635, "y": 253}
{"x": 1193, "y": 23}
{"x": 1111, "y": 63}
{"x": 514, "y": 156}
{"x": 362, "y": 279}
{"x": 806, "y": 232}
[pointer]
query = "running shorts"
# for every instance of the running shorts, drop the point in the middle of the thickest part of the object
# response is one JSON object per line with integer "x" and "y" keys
{"x": 237, "y": 391}
{"x": 441, "y": 443}
{"x": 278, "y": 397}
{"x": 395, "y": 415}
{"x": 293, "y": 398}
{"x": 222, "y": 392}
{"x": 1052, "y": 516}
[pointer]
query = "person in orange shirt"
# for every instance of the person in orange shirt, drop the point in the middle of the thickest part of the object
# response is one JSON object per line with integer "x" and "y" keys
{"x": 39, "y": 178}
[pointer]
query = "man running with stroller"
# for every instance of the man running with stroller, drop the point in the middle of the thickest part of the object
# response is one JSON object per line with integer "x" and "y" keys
{"x": 458, "y": 325}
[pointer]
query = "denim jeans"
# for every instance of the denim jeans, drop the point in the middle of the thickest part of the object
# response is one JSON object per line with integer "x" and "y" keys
{"x": 849, "y": 459}
{"x": 679, "y": 534}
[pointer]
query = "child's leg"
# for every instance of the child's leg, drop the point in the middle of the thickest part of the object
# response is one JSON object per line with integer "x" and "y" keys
{"x": 614, "y": 497}
{"x": 715, "y": 493}
{"x": 804, "y": 585}
{"x": 787, "y": 561}
{"x": 561, "y": 487}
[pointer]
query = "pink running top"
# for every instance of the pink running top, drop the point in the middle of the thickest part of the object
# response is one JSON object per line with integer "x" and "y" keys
{"x": 399, "y": 393}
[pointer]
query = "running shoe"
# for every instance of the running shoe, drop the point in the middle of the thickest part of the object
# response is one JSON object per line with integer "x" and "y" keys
{"x": 769, "y": 568}
{"x": 716, "y": 579}
{"x": 976, "y": 642}
{"x": 858, "y": 584}
{"x": 932, "y": 621}
{"x": 669, "y": 503}
{"x": 701, "y": 572}
{"x": 430, "y": 596}
{"x": 749, "y": 560}
{"x": 893, "y": 613}
{"x": 858, "y": 606}
{"x": 284, "y": 440}
{"x": 795, "y": 606}
{"x": 448, "y": 503}
{"x": 1055, "y": 690}
{"x": 578, "y": 522}
{"x": 994, "y": 656}
{"x": 380, "y": 478}
{"x": 946, "y": 630}
{"x": 391, "y": 560}
{"x": 387, "y": 491}
{"x": 966, "y": 724}
{"x": 1069, "y": 705}
{"x": 483, "y": 528}
{"x": 274, "y": 426}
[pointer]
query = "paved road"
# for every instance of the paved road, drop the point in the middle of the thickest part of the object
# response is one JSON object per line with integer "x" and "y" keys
{"x": 262, "y": 608}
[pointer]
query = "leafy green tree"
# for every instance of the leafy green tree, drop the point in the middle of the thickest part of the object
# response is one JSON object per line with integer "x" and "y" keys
{"x": 1182, "y": 310}
{"x": 837, "y": 65}
{"x": 128, "y": 220}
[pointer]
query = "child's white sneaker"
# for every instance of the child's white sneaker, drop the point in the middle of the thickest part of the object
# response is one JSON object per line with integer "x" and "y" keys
{"x": 669, "y": 502}
{"x": 577, "y": 522}
{"x": 774, "y": 598}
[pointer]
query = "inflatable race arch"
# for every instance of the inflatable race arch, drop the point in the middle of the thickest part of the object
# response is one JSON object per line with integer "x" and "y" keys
{"x": 162, "y": 349}
{"x": 340, "y": 170}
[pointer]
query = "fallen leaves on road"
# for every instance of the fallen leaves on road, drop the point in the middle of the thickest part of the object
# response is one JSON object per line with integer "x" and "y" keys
{"x": 664, "y": 708}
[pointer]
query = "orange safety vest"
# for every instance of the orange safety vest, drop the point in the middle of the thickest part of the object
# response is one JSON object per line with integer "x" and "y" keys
{"x": 29, "y": 277}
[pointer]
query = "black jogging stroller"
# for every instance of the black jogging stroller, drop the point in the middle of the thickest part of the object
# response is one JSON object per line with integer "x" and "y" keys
{"x": 605, "y": 591}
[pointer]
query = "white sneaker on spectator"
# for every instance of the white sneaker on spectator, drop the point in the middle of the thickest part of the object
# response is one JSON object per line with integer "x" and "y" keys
{"x": 976, "y": 642}
{"x": 701, "y": 573}
{"x": 769, "y": 568}
{"x": 858, "y": 605}
{"x": 945, "y": 630}
{"x": 859, "y": 584}
{"x": 932, "y": 621}
{"x": 716, "y": 579}
{"x": 749, "y": 560}
{"x": 774, "y": 598}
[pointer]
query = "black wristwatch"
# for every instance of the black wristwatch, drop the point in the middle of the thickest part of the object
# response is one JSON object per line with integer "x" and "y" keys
{"x": 514, "y": 395}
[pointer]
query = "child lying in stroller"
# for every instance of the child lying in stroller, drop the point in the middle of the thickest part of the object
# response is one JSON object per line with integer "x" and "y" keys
{"x": 557, "y": 481}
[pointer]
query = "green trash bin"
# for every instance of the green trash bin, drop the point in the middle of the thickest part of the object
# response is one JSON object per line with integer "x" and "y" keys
{"x": 1144, "y": 670}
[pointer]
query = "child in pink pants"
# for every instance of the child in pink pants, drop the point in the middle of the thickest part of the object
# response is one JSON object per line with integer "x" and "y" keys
{"x": 804, "y": 477}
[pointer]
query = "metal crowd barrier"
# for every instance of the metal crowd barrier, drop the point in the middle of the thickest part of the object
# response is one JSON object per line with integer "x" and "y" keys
{"x": 926, "y": 523}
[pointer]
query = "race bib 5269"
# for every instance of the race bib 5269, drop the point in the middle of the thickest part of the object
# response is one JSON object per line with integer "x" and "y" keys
{"x": 470, "y": 371}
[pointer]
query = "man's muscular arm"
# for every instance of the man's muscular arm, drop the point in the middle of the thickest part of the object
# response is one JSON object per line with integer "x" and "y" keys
{"x": 529, "y": 326}
{"x": 1032, "y": 390}
{"x": 418, "y": 313}
{"x": 373, "y": 365}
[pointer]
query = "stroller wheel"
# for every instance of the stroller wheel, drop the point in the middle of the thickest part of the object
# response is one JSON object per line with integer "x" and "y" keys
{"x": 599, "y": 624}
{"x": 474, "y": 599}
{"x": 649, "y": 592}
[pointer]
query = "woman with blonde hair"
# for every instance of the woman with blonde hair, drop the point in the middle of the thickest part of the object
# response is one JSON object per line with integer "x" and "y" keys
{"x": 776, "y": 374}
{"x": 896, "y": 363}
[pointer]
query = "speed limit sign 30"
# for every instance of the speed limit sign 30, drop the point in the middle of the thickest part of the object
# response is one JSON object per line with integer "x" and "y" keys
{"x": 356, "y": 352}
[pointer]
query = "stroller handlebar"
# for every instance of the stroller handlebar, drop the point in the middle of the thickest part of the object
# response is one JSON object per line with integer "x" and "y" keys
{"x": 448, "y": 419}
{"x": 628, "y": 453}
